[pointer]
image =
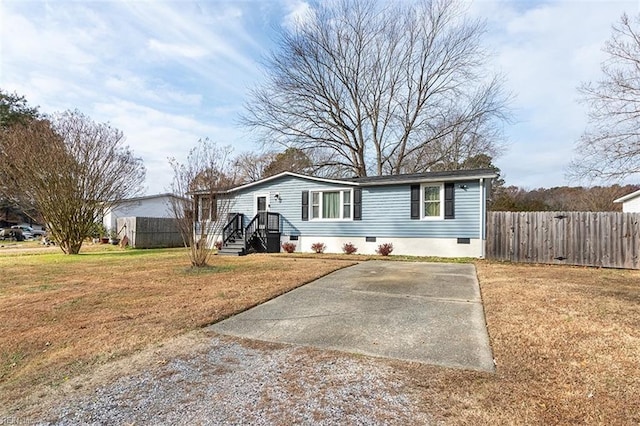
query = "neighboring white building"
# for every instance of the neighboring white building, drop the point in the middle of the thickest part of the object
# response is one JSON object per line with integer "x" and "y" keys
{"x": 630, "y": 202}
{"x": 147, "y": 206}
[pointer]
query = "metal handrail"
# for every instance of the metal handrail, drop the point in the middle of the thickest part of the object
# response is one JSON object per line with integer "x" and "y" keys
{"x": 233, "y": 228}
{"x": 261, "y": 224}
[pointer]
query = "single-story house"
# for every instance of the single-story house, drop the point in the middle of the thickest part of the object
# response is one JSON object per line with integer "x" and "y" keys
{"x": 424, "y": 214}
{"x": 157, "y": 206}
{"x": 630, "y": 202}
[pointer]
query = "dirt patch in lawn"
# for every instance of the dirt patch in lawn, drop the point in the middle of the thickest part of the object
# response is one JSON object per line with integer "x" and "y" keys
{"x": 60, "y": 316}
{"x": 567, "y": 345}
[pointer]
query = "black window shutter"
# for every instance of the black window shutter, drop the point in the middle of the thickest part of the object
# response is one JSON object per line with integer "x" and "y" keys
{"x": 449, "y": 191}
{"x": 357, "y": 204}
{"x": 415, "y": 201}
{"x": 305, "y": 205}
{"x": 196, "y": 208}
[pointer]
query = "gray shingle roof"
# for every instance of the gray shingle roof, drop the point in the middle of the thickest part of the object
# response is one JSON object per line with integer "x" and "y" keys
{"x": 425, "y": 177}
{"x": 453, "y": 175}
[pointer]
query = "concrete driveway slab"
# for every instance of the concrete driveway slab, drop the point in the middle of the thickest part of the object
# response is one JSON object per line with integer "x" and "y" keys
{"x": 425, "y": 312}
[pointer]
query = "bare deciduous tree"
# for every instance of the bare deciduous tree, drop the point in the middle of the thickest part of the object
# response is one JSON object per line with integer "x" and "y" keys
{"x": 381, "y": 89}
{"x": 610, "y": 147}
{"x": 202, "y": 207}
{"x": 72, "y": 169}
{"x": 250, "y": 166}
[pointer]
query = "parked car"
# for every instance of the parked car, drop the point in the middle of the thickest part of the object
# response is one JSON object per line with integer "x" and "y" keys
{"x": 14, "y": 234}
{"x": 29, "y": 232}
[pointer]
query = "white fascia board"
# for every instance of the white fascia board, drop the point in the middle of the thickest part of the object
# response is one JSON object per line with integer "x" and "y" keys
{"x": 270, "y": 178}
{"x": 627, "y": 197}
{"x": 426, "y": 180}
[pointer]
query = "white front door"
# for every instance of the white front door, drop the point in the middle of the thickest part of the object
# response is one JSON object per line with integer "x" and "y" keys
{"x": 262, "y": 206}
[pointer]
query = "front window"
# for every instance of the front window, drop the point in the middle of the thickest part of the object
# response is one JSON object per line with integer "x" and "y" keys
{"x": 432, "y": 201}
{"x": 331, "y": 204}
{"x": 315, "y": 205}
{"x": 346, "y": 204}
{"x": 207, "y": 208}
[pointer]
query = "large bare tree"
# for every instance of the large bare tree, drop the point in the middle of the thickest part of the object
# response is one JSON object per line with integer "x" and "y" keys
{"x": 72, "y": 169}
{"x": 371, "y": 89}
{"x": 202, "y": 207}
{"x": 610, "y": 146}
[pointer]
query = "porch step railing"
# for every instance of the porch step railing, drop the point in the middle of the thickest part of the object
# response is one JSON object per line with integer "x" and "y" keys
{"x": 258, "y": 236}
{"x": 233, "y": 230}
{"x": 260, "y": 228}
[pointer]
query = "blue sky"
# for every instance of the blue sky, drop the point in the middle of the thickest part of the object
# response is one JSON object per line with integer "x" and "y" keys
{"x": 169, "y": 73}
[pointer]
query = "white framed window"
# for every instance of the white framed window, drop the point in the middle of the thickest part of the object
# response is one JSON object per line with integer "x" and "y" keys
{"x": 207, "y": 208}
{"x": 260, "y": 202}
{"x": 346, "y": 204}
{"x": 432, "y": 201}
{"x": 331, "y": 204}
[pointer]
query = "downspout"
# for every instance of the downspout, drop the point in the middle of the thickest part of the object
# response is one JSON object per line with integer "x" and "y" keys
{"x": 483, "y": 218}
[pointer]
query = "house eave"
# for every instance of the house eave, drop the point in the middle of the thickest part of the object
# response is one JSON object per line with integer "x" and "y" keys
{"x": 627, "y": 197}
{"x": 455, "y": 176}
{"x": 279, "y": 175}
{"x": 429, "y": 179}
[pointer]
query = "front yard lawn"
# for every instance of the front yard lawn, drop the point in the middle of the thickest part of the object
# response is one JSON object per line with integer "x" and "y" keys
{"x": 566, "y": 340}
{"x": 61, "y": 316}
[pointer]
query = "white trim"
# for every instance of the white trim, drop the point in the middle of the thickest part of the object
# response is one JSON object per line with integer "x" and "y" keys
{"x": 267, "y": 197}
{"x": 149, "y": 197}
{"x": 422, "y": 200}
{"x": 270, "y": 178}
{"x": 441, "y": 247}
{"x": 428, "y": 179}
{"x": 213, "y": 204}
{"x": 378, "y": 182}
{"x": 320, "y": 198}
{"x": 627, "y": 197}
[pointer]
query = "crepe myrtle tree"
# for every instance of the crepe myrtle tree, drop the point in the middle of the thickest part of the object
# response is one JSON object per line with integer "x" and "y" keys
{"x": 202, "y": 207}
{"x": 71, "y": 169}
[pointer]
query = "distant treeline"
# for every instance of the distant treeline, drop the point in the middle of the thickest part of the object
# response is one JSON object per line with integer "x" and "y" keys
{"x": 562, "y": 198}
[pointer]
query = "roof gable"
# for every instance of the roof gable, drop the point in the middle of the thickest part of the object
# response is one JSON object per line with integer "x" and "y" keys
{"x": 296, "y": 175}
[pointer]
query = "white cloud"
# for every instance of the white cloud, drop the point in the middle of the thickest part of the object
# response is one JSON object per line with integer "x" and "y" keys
{"x": 177, "y": 49}
{"x": 169, "y": 73}
{"x": 297, "y": 11}
{"x": 546, "y": 50}
{"x": 156, "y": 135}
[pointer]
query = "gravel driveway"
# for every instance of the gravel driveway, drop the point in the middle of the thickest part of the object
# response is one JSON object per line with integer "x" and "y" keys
{"x": 205, "y": 378}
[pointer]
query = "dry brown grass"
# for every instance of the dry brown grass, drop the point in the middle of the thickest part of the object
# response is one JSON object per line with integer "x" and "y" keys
{"x": 567, "y": 345}
{"x": 566, "y": 339}
{"x": 61, "y": 316}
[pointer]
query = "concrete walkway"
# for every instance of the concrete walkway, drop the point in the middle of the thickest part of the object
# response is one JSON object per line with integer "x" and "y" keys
{"x": 426, "y": 312}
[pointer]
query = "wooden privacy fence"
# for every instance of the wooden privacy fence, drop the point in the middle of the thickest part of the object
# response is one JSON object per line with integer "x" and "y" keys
{"x": 150, "y": 232}
{"x": 607, "y": 239}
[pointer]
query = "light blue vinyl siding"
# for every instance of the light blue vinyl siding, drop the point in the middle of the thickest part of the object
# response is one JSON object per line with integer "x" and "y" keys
{"x": 385, "y": 211}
